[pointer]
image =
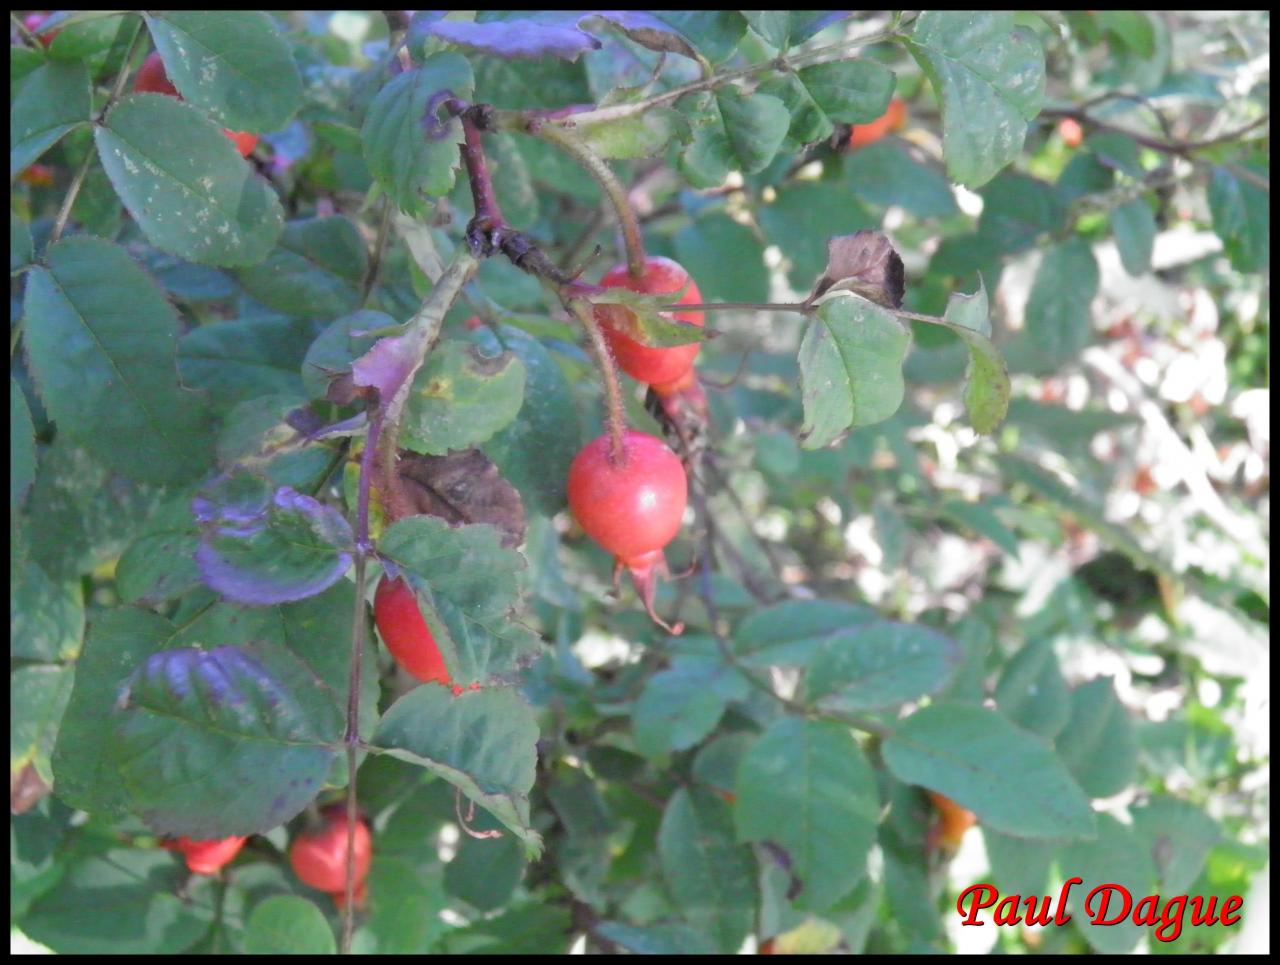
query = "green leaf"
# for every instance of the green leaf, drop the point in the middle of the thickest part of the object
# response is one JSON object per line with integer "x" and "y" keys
{"x": 38, "y": 696}
{"x": 1242, "y": 215}
{"x": 1134, "y": 227}
{"x": 410, "y": 146}
{"x": 101, "y": 339}
{"x": 21, "y": 250}
{"x": 482, "y": 741}
{"x": 973, "y": 756}
{"x": 1132, "y": 27}
{"x": 195, "y": 729}
{"x": 806, "y": 786}
{"x": 231, "y": 64}
{"x": 987, "y": 388}
{"x": 884, "y": 173}
{"x": 660, "y": 938}
{"x": 87, "y": 515}
{"x": 160, "y": 564}
{"x": 773, "y": 27}
{"x": 708, "y": 159}
{"x": 714, "y": 33}
{"x": 22, "y": 445}
{"x": 789, "y": 634}
{"x": 243, "y": 359}
{"x": 337, "y": 347}
{"x": 461, "y": 397}
{"x": 53, "y": 100}
{"x": 484, "y": 873}
{"x": 681, "y": 705}
{"x": 850, "y": 91}
{"x": 724, "y": 258}
{"x": 127, "y": 901}
{"x": 1115, "y": 857}
{"x": 1098, "y": 742}
{"x": 709, "y": 875}
{"x": 46, "y": 618}
{"x": 802, "y": 219}
{"x": 1018, "y": 866}
{"x": 467, "y": 590}
{"x": 989, "y": 76}
{"x": 850, "y": 368}
{"x": 879, "y": 665}
{"x": 642, "y": 135}
{"x": 316, "y": 270}
{"x": 755, "y": 126}
{"x": 1032, "y": 691}
{"x": 118, "y": 641}
{"x": 983, "y": 521}
{"x": 1058, "y": 322}
{"x": 1178, "y": 836}
{"x": 534, "y": 451}
{"x": 185, "y": 184}
{"x": 288, "y": 925}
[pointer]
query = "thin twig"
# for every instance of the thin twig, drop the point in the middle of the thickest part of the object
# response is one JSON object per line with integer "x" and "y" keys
{"x": 616, "y": 419}
{"x": 379, "y": 247}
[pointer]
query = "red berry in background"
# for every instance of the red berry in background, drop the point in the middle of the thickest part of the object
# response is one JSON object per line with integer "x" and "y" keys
{"x": 641, "y": 362}
{"x": 40, "y": 175}
{"x": 893, "y": 119}
{"x": 1070, "y": 131}
{"x": 207, "y": 857}
{"x": 405, "y": 632}
{"x": 152, "y": 79}
{"x": 953, "y": 820}
{"x": 633, "y": 507}
{"x": 33, "y": 21}
{"x": 319, "y": 856}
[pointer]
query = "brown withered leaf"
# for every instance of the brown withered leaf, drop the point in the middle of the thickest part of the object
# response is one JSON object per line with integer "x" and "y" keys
{"x": 864, "y": 263}
{"x": 462, "y": 487}
{"x": 25, "y": 789}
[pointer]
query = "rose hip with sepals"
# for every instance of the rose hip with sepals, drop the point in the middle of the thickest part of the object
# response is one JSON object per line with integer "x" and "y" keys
{"x": 642, "y": 362}
{"x": 632, "y": 506}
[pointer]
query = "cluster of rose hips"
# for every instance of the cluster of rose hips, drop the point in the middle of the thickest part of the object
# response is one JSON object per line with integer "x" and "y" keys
{"x": 318, "y": 856}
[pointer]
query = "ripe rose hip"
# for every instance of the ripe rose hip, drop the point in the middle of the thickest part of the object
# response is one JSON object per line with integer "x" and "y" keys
{"x": 319, "y": 856}
{"x": 208, "y": 857}
{"x": 153, "y": 79}
{"x": 954, "y": 820}
{"x": 893, "y": 119}
{"x": 33, "y": 22}
{"x": 633, "y": 508}
{"x": 641, "y": 362}
{"x": 405, "y": 632}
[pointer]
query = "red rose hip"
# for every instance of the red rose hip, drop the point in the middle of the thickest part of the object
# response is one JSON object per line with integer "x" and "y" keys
{"x": 152, "y": 79}
{"x": 319, "y": 857}
{"x": 642, "y": 362}
{"x": 632, "y": 507}
{"x": 208, "y": 857}
{"x": 405, "y": 632}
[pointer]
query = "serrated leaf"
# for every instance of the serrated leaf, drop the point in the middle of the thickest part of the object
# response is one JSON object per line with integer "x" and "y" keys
{"x": 710, "y": 876}
{"x": 46, "y": 617}
{"x": 315, "y": 270}
{"x": 1058, "y": 321}
{"x": 467, "y": 590}
{"x": 262, "y": 546}
{"x": 1134, "y": 228}
{"x": 53, "y": 100}
{"x": 101, "y": 340}
{"x": 185, "y": 184}
{"x": 535, "y": 450}
{"x": 1115, "y": 857}
{"x": 38, "y": 696}
{"x": 878, "y": 665}
{"x": 231, "y": 64}
{"x": 850, "y": 368}
{"x": 411, "y": 147}
{"x": 850, "y": 91}
{"x": 754, "y": 125}
{"x": 806, "y": 786}
{"x": 789, "y": 634}
{"x": 1098, "y": 742}
{"x": 482, "y": 741}
{"x": 1242, "y": 216}
{"x": 987, "y": 388}
{"x": 195, "y": 730}
{"x": 1032, "y": 692}
{"x": 643, "y": 135}
{"x": 989, "y": 76}
{"x": 461, "y": 397}
{"x": 973, "y": 756}
{"x": 681, "y": 705}
{"x": 22, "y": 445}
{"x": 160, "y": 564}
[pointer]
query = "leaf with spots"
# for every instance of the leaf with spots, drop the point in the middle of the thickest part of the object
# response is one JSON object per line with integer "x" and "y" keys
{"x": 460, "y": 397}
{"x": 195, "y": 730}
{"x": 185, "y": 184}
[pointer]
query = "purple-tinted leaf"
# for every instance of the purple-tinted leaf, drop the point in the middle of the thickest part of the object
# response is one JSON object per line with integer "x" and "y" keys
{"x": 519, "y": 38}
{"x": 196, "y": 729}
{"x": 258, "y": 547}
{"x": 648, "y": 31}
{"x": 389, "y": 364}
